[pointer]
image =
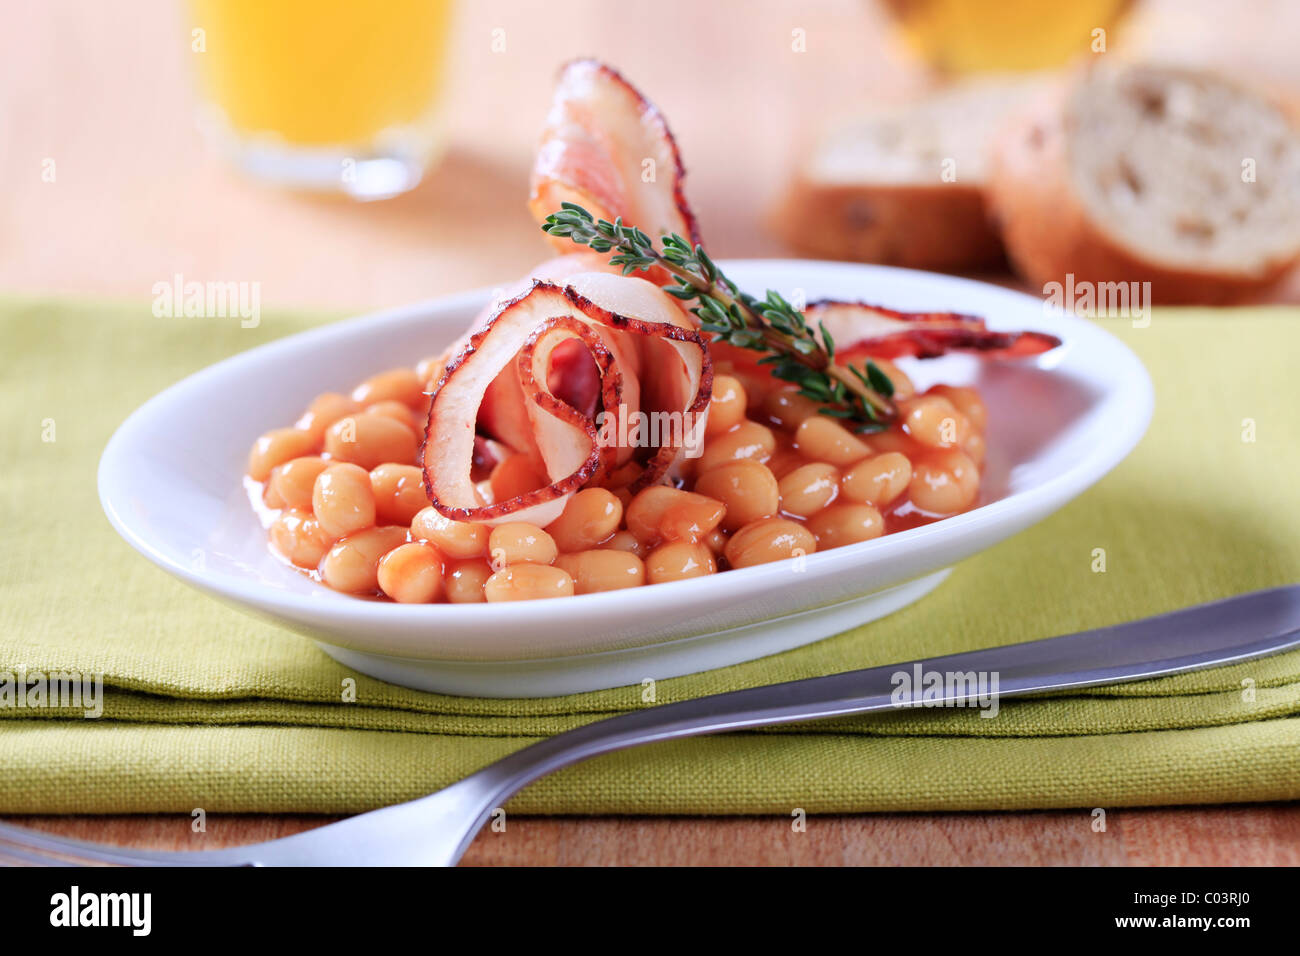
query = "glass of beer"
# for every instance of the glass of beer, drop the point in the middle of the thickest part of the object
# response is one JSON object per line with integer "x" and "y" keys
{"x": 967, "y": 36}
{"x": 330, "y": 95}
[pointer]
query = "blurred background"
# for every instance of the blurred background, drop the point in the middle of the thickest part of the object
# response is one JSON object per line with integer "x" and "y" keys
{"x": 133, "y": 147}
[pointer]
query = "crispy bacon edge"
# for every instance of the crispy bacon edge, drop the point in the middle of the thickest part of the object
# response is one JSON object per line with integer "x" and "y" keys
{"x": 594, "y": 465}
{"x": 562, "y": 172}
{"x": 861, "y": 330}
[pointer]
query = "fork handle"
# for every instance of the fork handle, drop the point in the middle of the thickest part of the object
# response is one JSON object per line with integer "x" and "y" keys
{"x": 1207, "y": 635}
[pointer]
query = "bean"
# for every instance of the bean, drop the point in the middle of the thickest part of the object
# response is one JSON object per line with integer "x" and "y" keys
{"x": 967, "y": 401}
{"x": 455, "y": 539}
{"x": 516, "y": 475}
{"x": 787, "y": 408}
{"x": 411, "y": 574}
{"x": 784, "y": 461}
{"x": 679, "y": 560}
{"x": 648, "y": 510}
{"x": 429, "y": 370}
{"x": 903, "y": 387}
{"x": 846, "y": 524}
{"x": 518, "y": 542}
{"x": 895, "y": 439}
{"x": 398, "y": 413}
{"x": 270, "y": 497}
{"x": 878, "y": 481}
{"x": 691, "y": 520}
{"x": 746, "y": 487}
{"x": 275, "y": 448}
{"x": 324, "y": 411}
{"x": 769, "y": 539}
{"x": 933, "y": 421}
{"x": 300, "y": 538}
{"x": 398, "y": 384}
{"x": 399, "y": 493}
{"x": 746, "y": 440}
{"x": 464, "y": 580}
{"x": 944, "y": 483}
{"x": 717, "y": 541}
{"x": 589, "y": 517}
{"x": 528, "y": 582}
{"x": 821, "y": 439}
{"x": 727, "y": 409}
{"x": 293, "y": 481}
{"x": 755, "y": 386}
{"x": 602, "y": 570}
{"x": 343, "y": 500}
{"x": 625, "y": 541}
{"x": 809, "y": 488}
{"x": 371, "y": 440}
{"x": 352, "y": 564}
{"x": 975, "y": 447}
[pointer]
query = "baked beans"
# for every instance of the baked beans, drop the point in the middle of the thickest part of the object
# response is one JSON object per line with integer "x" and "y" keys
{"x": 528, "y": 582}
{"x": 767, "y": 540}
{"x": 808, "y": 489}
{"x": 352, "y": 564}
{"x": 518, "y": 542}
{"x": 602, "y": 570}
{"x": 823, "y": 439}
{"x": 343, "y": 499}
{"x": 679, "y": 560}
{"x": 455, "y": 539}
{"x": 411, "y": 574}
{"x": 776, "y": 480}
{"x": 878, "y": 481}
{"x": 399, "y": 493}
{"x": 746, "y": 488}
{"x": 371, "y": 439}
{"x": 727, "y": 409}
{"x": 845, "y": 524}
{"x": 590, "y": 516}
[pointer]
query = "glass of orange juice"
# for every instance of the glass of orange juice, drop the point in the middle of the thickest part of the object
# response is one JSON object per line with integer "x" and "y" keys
{"x": 334, "y": 95}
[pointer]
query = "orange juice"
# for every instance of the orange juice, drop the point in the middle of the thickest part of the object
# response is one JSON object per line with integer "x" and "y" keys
{"x": 969, "y": 35}
{"x": 321, "y": 73}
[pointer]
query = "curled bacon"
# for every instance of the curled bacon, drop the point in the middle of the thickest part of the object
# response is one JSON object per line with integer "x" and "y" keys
{"x": 576, "y": 338}
{"x": 608, "y": 149}
{"x": 862, "y": 330}
{"x": 625, "y": 326}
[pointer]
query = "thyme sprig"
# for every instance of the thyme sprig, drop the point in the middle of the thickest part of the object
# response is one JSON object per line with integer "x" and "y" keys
{"x": 796, "y": 352}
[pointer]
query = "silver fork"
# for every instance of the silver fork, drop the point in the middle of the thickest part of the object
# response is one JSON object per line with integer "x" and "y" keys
{"x": 435, "y": 830}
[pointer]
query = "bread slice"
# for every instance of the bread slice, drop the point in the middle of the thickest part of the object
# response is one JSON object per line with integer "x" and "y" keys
{"x": 1145, "y": 173}
{"x": 905, "y": 186}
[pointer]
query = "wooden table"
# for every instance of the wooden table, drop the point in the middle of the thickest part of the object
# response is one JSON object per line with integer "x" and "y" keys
{"x": 101, "y": 94}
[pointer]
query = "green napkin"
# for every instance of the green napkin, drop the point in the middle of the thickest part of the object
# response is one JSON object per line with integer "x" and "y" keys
{"x": 205, "y": 707}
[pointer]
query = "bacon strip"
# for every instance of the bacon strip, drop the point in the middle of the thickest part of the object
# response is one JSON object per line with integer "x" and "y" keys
{"x": 607, "y": 148}
{"x": 625, "y": 325}
{"x": 862, "y": 330}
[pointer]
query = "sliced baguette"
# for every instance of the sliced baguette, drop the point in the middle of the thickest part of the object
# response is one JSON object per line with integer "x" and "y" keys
{"x": 874, "y": 188}
{"x": 1134, "y": 173}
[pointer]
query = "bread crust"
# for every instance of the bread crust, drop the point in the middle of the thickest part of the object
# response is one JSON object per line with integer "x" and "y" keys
{"x": 940, "y": 226}
{"x": 1048, "y": 232}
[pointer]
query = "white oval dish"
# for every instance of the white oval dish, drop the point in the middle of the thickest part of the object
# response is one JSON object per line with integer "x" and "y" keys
{"x": 173, "y": 491}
